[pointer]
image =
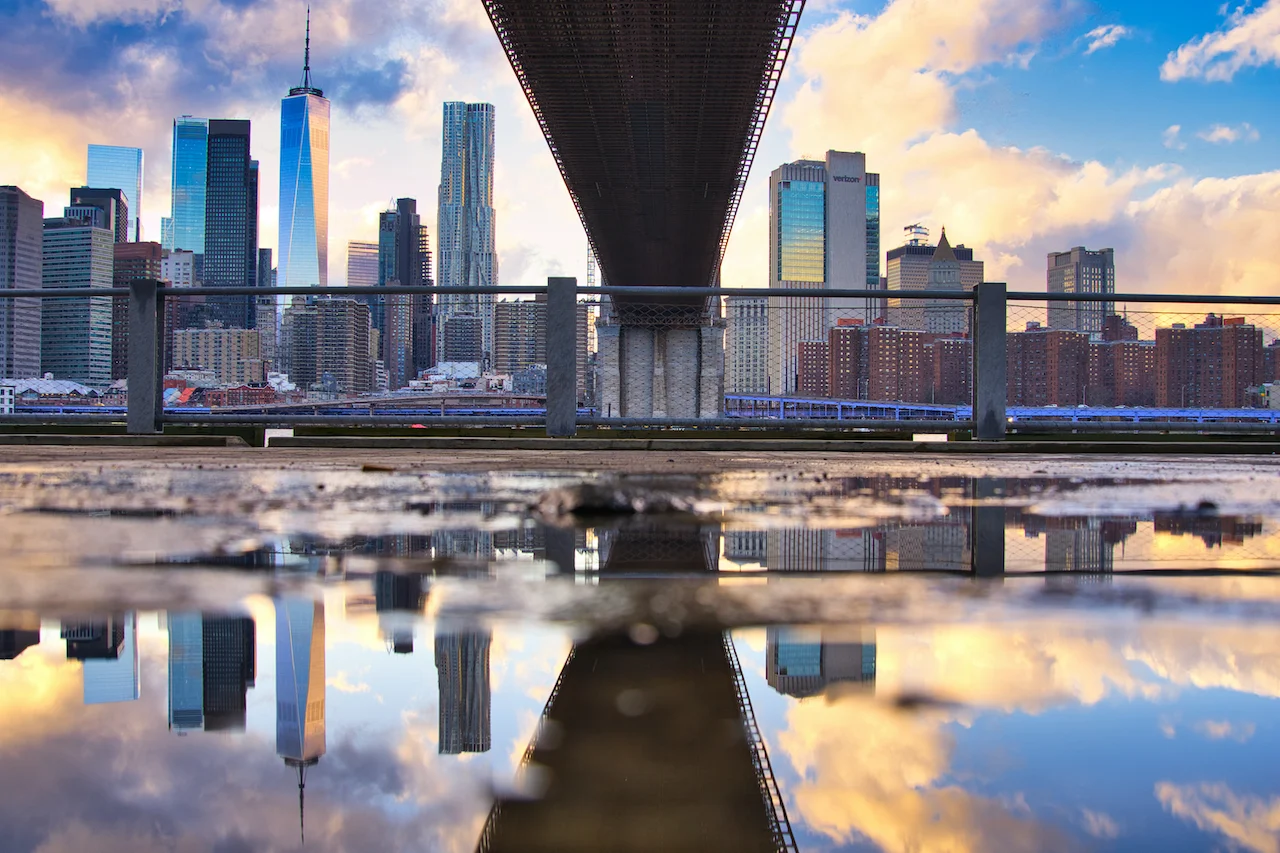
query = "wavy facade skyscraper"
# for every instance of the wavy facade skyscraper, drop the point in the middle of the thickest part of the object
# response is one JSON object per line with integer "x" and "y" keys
{"x": 303, "y": 259}
{"x": 466, "y": 231}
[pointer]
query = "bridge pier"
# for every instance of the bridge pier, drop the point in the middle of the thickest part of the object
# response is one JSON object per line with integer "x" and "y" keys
{"x": 648, "y": 372}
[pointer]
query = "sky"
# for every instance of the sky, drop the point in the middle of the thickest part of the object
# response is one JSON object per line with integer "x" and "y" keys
{"x": 1023, "y": 126}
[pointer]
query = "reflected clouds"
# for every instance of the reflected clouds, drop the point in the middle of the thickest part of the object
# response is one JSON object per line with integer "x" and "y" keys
{"x": 1249, "y": 822}
{"x": 871, "y": 771}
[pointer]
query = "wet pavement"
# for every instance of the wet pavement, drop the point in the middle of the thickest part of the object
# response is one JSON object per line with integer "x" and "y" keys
{"x": 244, "y": 650}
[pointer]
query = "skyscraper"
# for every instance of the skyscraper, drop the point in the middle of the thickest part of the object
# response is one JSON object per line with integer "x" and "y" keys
{"x": 462, "y": 667}
{"x": 465, "y": 220}
{"x": 917, "y": 265}
{"x": 190, "y": 179}
{"x": 75, "y": 334}
{"x": 121, "y": 168}
{"x": 1081, "y": 271}
{"x": 746, "y": 345}
{"x": 186, "y": 671}
{"x": 231, "y": 220}
{"x": 404, "y": 258}
{"x": 362, "y": 264}
{"x": 131, "y": 262}
{"x": 824, "y": 233}
{"x": 300, "y": 737}
{"x": 114, "y": 204}
{"x": 21, "y": 264}
{"x": 304, "y": 182}
{"x": 115, "y": 679}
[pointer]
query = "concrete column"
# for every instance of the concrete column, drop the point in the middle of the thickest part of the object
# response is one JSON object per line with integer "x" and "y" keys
{"x": 682, "y": 373}
{"x": 711, "y": 372}
{"x": 661, "y": 405}
{"x": 990, "y": 370}
{"x": 609, "y": 380}
{"x": 562, "y": 356}
{"x": 637, "y": 372}
{"x": 146, "y": 359}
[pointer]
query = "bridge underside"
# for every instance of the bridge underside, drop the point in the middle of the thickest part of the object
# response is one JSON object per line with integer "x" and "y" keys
{"x": 653, "y": 111}
{"x": 649, "y": 753}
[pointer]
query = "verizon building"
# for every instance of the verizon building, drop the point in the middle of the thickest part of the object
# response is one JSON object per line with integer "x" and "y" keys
{"x": 824, "y": 234}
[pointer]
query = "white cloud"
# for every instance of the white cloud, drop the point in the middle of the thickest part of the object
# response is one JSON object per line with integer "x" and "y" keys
{"x": 1100, "y": 824}
{"x": 1247, "y": 822}
{"x": 1251, "y": 38}
{"x": 1012, "y": 204}
{"x": 1108, "y": 35}
{"x": 1221, "y": 133}
{"x": 1173, "y": 138}
{"x": 1226, "y": 730}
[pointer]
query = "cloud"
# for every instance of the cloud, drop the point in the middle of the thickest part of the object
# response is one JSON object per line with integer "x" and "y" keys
{"x": 869, "y": 770}
{"x": 1220, "y": 133}
{"x": 1226, "y": 730}
{"x": 1108, "y": 35}
{"x": 1010, "y": 204}
{"x": 1173, "y": 138}
{"x": 1250, "y": 39}
{"x": 1249, "y": 822}
{"x": 1100, "y": 824}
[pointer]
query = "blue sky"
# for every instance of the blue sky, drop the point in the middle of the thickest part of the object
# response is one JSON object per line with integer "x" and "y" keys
{"x": 1023, "y": 125}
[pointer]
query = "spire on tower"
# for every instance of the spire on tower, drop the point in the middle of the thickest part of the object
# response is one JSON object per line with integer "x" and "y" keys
{"x": 306, "y": 54}
{"x": 306, "y": 88}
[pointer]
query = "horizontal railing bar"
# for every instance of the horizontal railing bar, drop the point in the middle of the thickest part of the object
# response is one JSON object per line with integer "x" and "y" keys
{"x": 354, "y": 420}
{"x": 1200, "y": 299}
{"x": 822, "y": 423}
{"x": 803, "y": 292}
{"x": 1142, "y": 426}
{"x": 691, "y": 292}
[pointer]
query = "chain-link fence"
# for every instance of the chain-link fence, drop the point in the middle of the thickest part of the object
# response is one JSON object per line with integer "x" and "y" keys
{"x": 1117, "y": 362}
{"x": 565, "y": 359}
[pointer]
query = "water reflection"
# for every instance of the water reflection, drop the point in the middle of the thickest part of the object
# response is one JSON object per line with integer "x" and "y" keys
{"x": 313, "y": 719}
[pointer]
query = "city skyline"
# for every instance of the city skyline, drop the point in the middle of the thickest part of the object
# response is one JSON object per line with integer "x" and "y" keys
{"x": 1172, "y": 167}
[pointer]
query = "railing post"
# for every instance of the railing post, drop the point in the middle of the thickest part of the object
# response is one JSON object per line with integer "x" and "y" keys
{"x": 990, "y": 372}
{"x": 986, "y": 534}
{"x": 562, "y": 356}
{"x": 146, "y": 358}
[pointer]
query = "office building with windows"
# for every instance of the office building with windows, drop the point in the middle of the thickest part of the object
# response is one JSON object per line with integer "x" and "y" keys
{"x": 231, "y": 221}
{"x": 465, "y": 225}
{"x": 190, "y": 179}
{"x": 462, "y": 669}
{"x": 1081, "y": 271}
{"x": 113, "y": 203}
{"x": 303, "y": 259}
{"x": 119, "y": 167}
{"x": 746, "y": 345}
{"x": 21, "y": 265}
{"x": 919, "y": 265}
{"x": 404, "y": 322}
{"x": 131, "y": 262}
{"x": 824, "y": 234}
{"x": 75, "y": 334}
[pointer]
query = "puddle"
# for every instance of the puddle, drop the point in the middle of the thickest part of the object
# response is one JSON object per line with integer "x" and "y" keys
{"x": 398, "y": 659}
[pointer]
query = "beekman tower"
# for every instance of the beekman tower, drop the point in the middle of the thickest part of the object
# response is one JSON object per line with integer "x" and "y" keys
{"x": 304, "y": 182}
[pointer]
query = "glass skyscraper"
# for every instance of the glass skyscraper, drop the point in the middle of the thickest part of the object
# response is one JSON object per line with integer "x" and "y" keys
{"x": 190, "y": 179}
{"x": 304, "y": 183}
{"x": 824, "y": 234}
{"x": 465, "y": 223}
{"x": 231, "y": 220}
{"x": 119, "y": 168}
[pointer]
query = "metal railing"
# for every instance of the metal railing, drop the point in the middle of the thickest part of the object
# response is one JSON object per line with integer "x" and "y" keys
{"x": 691, "y": 378}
